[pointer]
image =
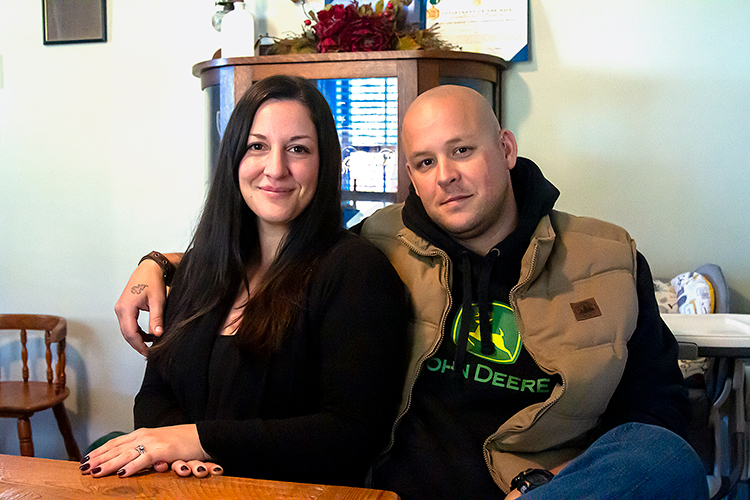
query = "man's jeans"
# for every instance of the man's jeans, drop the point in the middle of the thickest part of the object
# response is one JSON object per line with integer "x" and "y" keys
{"x": 632, "y": 461}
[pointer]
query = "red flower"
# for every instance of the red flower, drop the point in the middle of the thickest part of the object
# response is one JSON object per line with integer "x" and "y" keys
{"x": 366, "y": 34}
{"x": 327, "y": 45}
{"x": 332, "y": 21}
{"x": 351, "y": 28}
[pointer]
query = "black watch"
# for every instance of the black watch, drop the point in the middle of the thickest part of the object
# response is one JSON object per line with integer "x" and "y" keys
{"x": 530, "y": 479}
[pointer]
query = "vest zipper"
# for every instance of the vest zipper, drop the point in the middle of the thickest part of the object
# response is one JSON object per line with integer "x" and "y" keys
{"x": 447, "y": 262}
{"x": 542, "y": 409}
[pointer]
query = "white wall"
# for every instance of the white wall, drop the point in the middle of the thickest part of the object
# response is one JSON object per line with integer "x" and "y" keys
{"x": 638, "y": 112}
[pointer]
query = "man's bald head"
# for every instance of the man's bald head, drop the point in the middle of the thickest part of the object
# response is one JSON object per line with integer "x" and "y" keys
{"x": 459, "y": 161}
{"x": 455, "y": 98}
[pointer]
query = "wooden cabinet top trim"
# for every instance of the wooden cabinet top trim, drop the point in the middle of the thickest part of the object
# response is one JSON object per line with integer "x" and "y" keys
{"x": 398, "y": 55}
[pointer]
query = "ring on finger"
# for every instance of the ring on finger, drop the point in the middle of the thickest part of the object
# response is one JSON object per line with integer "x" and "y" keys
{"x": 140, "y": 449}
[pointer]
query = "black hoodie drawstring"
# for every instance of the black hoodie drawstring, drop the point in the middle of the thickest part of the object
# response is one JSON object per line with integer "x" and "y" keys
{"x": 485, "y": 330}
{"x": 467, "y": 316}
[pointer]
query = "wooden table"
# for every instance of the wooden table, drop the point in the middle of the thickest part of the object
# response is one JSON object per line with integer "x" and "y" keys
{"x": 26, "y": 477}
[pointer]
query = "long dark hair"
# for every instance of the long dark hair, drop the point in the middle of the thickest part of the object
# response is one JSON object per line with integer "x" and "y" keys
{"x": 226, "y": 239}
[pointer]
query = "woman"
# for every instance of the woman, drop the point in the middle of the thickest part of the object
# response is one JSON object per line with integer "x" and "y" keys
{"x": 280, "y": 330}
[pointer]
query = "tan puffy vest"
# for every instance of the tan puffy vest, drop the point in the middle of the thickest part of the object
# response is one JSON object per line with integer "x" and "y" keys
{"x": 576, "y": 307}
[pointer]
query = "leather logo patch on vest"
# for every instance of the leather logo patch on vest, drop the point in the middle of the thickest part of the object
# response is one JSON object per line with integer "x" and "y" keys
{"x": 505, "y": 336}
{"x": 585, "y": 309}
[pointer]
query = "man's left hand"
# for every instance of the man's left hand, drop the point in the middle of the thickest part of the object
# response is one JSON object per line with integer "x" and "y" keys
{"x": 513, "y": 494}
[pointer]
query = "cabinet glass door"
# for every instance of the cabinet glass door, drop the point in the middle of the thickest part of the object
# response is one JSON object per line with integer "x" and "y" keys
{"x": 366, "y": 115}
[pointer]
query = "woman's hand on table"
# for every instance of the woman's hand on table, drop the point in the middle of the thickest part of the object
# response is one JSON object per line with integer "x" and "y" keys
{"x": 178, "y": 445}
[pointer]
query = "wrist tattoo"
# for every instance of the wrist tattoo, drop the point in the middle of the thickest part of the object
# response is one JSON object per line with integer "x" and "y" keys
{"x": 137, "y": 289}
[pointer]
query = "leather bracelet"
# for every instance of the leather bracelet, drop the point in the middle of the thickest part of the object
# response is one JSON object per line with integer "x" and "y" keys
{"x": 166, "y": 266}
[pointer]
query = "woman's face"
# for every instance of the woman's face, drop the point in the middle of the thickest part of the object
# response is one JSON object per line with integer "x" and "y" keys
{"x": 279, "y": 173}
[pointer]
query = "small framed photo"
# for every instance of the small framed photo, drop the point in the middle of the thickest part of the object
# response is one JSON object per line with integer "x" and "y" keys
{"x": 74, "y": 21}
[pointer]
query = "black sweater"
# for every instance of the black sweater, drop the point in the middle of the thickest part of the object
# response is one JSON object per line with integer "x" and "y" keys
{"x": 317, "y": 410}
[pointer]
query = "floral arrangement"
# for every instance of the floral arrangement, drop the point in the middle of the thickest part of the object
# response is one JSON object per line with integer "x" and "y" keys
{"x": 357, "y": 28}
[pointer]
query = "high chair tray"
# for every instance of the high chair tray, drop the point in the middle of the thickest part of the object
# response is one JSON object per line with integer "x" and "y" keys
{"x": 725, "y": 335}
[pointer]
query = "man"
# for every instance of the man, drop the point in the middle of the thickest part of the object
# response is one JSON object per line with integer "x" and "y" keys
{"x": 537, "y": 342}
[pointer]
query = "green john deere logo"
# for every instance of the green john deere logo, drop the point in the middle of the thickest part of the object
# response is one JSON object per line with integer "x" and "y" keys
{"x": 505, "y": 335}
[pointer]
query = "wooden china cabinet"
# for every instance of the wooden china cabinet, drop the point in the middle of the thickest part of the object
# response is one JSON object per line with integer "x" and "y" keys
{"x": 402, "y": 75}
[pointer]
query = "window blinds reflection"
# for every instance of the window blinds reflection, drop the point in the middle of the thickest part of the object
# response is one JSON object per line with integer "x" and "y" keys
{"x": 366, "y": 114}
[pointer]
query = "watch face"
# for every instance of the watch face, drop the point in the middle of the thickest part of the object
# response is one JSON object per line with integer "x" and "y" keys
{"x": 530, "y": 479}
{"x": 537, "y": 478}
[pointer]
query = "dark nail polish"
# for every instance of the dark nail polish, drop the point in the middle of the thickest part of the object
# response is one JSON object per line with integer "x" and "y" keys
{"x": 96, "y": 470}
{"x": 218, "y": 469}
{"x": 201, "y": 469}
{"x": 84, "y": 467}
{"x": 85, "y": 459}
{"x": 184, "y": 468}
{"x": 121, "y": 472}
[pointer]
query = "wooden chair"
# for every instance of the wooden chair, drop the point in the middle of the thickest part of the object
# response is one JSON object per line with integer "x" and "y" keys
{"x": 21, "y": 399}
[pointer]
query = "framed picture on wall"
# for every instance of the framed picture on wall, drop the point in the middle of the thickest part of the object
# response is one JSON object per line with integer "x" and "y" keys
{"x": 74, "y": 21}
{"x": 498, "y": 27}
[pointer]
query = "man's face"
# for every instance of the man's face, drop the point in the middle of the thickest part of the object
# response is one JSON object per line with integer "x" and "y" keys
{"x": 460, "y": 166}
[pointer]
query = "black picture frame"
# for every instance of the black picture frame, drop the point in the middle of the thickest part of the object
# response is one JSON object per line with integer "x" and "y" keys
{"x": 74, "y": 21}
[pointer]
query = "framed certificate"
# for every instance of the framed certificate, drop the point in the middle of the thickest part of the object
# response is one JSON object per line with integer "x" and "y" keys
{"x": 497, "y": 27}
